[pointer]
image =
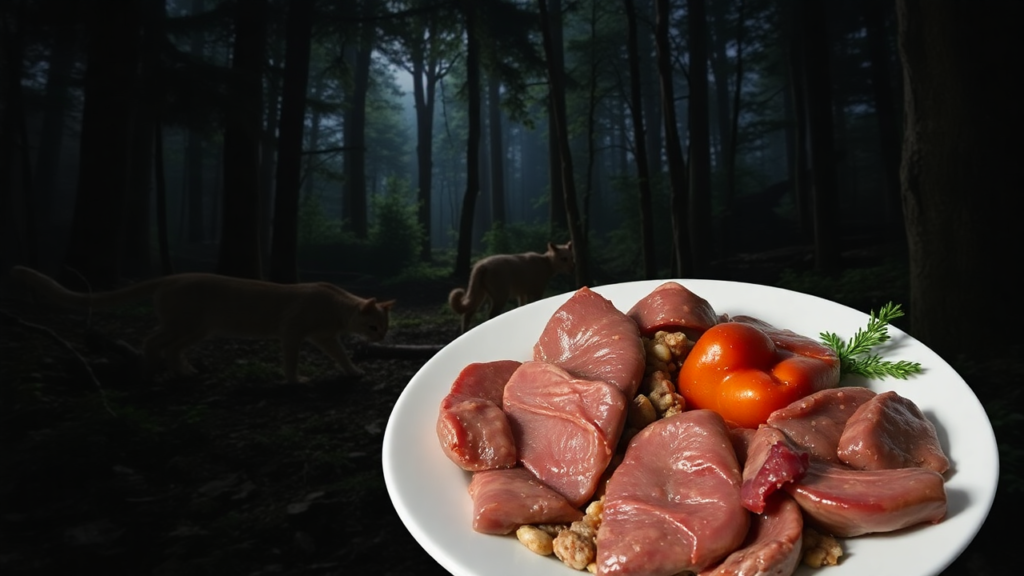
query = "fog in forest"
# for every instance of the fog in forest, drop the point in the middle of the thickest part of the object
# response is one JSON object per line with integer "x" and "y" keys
{"x": 148, "y": 123}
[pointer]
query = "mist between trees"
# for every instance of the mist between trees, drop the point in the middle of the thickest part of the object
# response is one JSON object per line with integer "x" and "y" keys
{"x": 664, "y": 138}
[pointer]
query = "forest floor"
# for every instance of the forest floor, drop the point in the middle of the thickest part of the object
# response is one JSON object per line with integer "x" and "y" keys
{"x": 231, "y": 472}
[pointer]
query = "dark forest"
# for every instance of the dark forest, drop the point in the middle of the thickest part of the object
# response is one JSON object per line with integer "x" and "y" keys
{"x": 865, "y": 151}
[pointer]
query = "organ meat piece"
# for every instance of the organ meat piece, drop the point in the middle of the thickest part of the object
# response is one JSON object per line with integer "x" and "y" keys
{"x": 889, "y": 431}
{"x": 565, "y": 428}
{"x": 590, "y": 338}
{"x": 771, "y": 461}
{"x": 848, "y": 502}
{"x": 816, "y": 422}
{"x": 673, "y": 504}
{"x": 791, "y": 341}
{"x": 471, "y": 426}
{"x": 673, "y": 307}
{"x": 504, "y": 500}
{"x": 773, "y": 545}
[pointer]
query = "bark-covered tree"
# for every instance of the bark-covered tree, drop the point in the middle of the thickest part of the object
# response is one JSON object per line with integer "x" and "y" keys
{"x": 284, "y": 246}
{"x": 700, "y": 140}
{"x": 359, "y": 56}
{"x": 15, "y": 164}
{"x": 426, "y": 47}
{"x": 463, "y": 254}
{"x": 240, "y": 214}
{"x": 816, "y": 81}
{"x": 94, "y": 247}
{"x": 56, "y": 105}
{"x": 673, "y": 147}
{"x": 883, "y": 95}
{"x": 636, "y": 109}
{"x": 556, "y": 61}
{"x": 961, "y": 170}
{"x": 556, "y": 89}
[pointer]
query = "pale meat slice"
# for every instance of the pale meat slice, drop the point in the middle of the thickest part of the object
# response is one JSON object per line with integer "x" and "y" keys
{"x": 673, "y": 307}
{"x": 565, "y": 429}
{"x": 591, "y": 339}
{"x": 471, "y": 426}
{"x": 773, "y": 545}
{"x": 846, "y": 502}
{"x": 504, "y": 500}
{"x": 673, "y": 504}
{"x": 890, "y": 431}
{"x": 816, "y": 422}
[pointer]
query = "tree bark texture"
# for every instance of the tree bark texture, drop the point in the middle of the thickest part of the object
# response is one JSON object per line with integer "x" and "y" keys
{"x": 94, "y": 247}
{"x": 650, "y": 263}
{"x": 700, "y": 141}
{"x": 240, "y": 213}
{"x": 284, "y": 245}
{"x": 577, "y": 232}
{"x": 673, "y": 147}
{"x": 465, "y": 247}
{"x": 961, "y": 171}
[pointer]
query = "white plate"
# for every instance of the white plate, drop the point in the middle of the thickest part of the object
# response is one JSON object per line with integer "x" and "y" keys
{"x": 429, "y": 491}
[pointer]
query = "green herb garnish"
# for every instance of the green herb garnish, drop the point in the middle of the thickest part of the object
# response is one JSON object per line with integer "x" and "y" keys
{"x": 854, "y": 357}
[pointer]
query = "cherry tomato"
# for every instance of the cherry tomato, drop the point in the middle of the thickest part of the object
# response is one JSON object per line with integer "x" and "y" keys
{"x": 745, "y": 370}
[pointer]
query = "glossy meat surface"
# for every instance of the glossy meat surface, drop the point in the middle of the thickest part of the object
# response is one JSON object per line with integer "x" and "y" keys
{"x": 565, "y": 429}
{"x": 471, "y": 425}
{"x": 673, "y": 504}
{"x": 591, "y": 339}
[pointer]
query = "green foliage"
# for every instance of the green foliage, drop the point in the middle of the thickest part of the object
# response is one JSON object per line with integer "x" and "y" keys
{"x": 516, "y": 238}
{"x": 396, "y": 234}
{"x": 314, "y": 225}
{"x": 855, "y": 287}
{"x": 854, "y": 355}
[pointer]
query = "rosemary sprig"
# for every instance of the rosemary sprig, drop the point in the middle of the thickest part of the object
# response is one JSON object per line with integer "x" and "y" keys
{"x": 853, "y": 355}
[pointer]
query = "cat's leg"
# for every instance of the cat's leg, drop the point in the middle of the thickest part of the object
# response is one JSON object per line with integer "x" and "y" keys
{"x": 290, "y": 351}
{"x": 333, "y": 348}
{"x": 174, "y": 351}
{"x": 499, "y": 297}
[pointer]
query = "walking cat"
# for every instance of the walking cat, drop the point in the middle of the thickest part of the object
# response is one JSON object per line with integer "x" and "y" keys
{"x": 194, "y": 306}
{"x": 503, "y": 276}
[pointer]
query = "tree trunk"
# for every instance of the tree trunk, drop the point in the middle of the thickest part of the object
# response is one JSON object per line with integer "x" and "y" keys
{"x": 650, "y": 263}
{"x": 240, "y": 213}
{"x": 163, "y": 236}
{"x": 355, "y": 137}
{"x": 961, "y": 170}
{"x": 558, "y": 213}
{"x": 195, "y": 221}
{"x": 424, "y": 78}
{"x": 700, "y": 141}
{"x": 497, "y": 149}
{"x": 15, "y": 164}
{"x": 51, "y": 135}
{"x": 817, "y": 82}
{"x": 465, "y": 246}
{"x": 557, "y": 90}
{"x": 885, "y": 112}
{"x": 96, "y": 234}
{"x": 283, "y": 252}
{"x": 673, "y": 148}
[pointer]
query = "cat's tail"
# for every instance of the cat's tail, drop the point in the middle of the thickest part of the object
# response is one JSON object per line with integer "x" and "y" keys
{"x": 48, "y": 290}
{"x": 466, "y": 301}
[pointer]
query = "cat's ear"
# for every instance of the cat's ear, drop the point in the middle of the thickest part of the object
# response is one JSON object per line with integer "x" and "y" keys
{"x": 371, "y": 303}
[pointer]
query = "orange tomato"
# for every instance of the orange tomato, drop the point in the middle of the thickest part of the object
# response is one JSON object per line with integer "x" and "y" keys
{"x": 746, "y": 370}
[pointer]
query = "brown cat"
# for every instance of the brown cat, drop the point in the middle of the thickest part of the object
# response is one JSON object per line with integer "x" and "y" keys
{"x": 194, "y": 306}
{"x": 504, "y": 276}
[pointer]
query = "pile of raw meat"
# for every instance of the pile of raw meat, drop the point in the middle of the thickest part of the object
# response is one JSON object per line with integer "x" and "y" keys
{"x": 690, "y": 492}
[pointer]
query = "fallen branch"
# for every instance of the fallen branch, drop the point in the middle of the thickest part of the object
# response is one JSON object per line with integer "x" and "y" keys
{"x": 395, "y": 351}
{"x": 11, "y": 320}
